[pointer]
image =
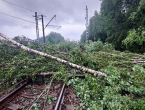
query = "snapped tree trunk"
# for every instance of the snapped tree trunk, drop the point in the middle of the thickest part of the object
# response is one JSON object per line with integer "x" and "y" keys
{"x": 90, "y": 71}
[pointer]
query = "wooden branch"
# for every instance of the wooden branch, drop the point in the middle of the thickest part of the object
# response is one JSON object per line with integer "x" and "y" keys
{"x": 1, "y": 65}
{"x": 46, "y": 74}
{"x": 90, "y": 71}
{"x": 113, "y": 55}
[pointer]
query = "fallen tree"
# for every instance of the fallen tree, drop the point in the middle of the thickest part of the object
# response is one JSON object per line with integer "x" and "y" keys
{"x": 90, "y": 71}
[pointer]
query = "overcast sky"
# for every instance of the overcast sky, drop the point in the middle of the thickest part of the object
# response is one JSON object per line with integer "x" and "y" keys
{"x": 70, "y": 14}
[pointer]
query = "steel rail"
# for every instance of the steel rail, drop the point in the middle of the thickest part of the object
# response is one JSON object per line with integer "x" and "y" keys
{"x": 9, "y": 97}
{"x": 61, "y": 95}
{"x": 12, "y": 86}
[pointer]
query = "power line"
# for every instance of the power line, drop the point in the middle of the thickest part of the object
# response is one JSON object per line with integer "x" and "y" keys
{"x": 54, "y": 25}
{"x": 28, "y": 10}
{"x": 17, "y": 2}
{"x": 25, "y": 19}
{"x": 18, "y": 18}
{"x": 20, "y": 6}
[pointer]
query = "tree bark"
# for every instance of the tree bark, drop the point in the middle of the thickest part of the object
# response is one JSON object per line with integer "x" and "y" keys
{"x": 1, "y": 65}
{"x": 90, "y": 71}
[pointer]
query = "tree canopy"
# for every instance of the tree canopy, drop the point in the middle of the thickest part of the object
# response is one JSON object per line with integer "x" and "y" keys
{"x": 116, "y": 19}
{"x": 53, "y": 38}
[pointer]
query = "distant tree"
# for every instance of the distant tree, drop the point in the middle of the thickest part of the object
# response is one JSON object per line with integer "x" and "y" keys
{"x": 96, "y": 28}
{"x": 115, "y": 19}
{"x": 53, "y": 38}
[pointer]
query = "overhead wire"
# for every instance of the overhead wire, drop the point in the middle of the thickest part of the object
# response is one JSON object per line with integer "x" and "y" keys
{"x": 22, "y": 18}
{"x": 25, "y": 19}
{"x": 28, "y": 12}
{"x": 54, "y": 25}
{"x": 18, "y": 18}
{"x": 20, "y": 6}
{"x": 24, "y": 8}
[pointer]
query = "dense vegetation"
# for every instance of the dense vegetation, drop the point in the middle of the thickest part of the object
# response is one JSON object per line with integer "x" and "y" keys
{"x": 117, "y": 21}
{"x": 53, "y": 38}
{"x": 124, "y": 88}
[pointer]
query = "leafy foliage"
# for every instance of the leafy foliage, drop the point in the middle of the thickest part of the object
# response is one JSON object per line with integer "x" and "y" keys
{"x": 124, "y": 88}
{"x": 67, "y": 45}
{"x": 115, "y": 20}
{"x": 135, "y": 37}
{"x": 98, "y": 46}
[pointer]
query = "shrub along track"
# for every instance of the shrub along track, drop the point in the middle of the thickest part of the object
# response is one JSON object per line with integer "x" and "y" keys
{"x": 27, "y": 96}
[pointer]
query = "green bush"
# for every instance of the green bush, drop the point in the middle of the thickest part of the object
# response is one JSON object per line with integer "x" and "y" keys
{"x": 98, "y": 46}
{"x": 135, "y": 36}
{"x": 135, "y": 40}
{"x": 67, "y": 45}
{"x": 94, "y": 46}
{"x": 108, "y": 47}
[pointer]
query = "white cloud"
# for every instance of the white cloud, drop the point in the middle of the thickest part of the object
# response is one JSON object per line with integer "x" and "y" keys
{"x": 18, "y": 30}
{"x": 73, "y": 31}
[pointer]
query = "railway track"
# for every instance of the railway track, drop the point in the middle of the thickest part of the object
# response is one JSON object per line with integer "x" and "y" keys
{"x": 31, "y": 96}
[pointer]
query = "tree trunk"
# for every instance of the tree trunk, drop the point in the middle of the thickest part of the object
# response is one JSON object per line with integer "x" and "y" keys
{"x": 90, "y": 71}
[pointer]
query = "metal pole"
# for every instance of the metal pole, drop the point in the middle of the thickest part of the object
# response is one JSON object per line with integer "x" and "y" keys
{"x": 43, "y": 28}
{"x": 37, "y": 28}
{"x": 87, "y": 33}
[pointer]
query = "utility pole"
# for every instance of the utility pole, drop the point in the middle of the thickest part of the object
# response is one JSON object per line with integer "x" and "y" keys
{"x": 37, "y": 17}
{"x": 87, "y": 33}
{"x": 37, "y": 28}
{"x": 43, "y": 28}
